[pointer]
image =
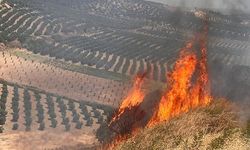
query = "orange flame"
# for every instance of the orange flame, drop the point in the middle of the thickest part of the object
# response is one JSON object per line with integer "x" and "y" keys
{"x": 181, "y": 96}
{"x": 175, "y": 99}
{"x": 188, "y": 87}
{"x": 135, "y": 97}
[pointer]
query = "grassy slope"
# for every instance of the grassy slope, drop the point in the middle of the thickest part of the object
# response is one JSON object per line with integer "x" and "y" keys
{"x": 214, "y": 127}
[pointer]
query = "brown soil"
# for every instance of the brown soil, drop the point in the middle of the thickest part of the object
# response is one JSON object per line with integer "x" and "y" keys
{"x": 41, "y": 140}
{"x": 62, "y": 82}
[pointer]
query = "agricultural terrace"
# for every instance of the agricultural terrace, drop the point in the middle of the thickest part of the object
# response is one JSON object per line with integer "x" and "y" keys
{"x": 35, "y": 111}
{"x": 52, "y": 79}
{"x": 120, "y": 36}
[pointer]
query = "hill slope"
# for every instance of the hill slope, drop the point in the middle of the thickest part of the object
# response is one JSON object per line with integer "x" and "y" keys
{"x": 214, "y": 127}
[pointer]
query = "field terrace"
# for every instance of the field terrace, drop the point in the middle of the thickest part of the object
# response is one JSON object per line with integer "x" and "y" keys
{"x": 121, "y": 36}
{"x": 66, "y": 83}
{"x": 51, "y": 120}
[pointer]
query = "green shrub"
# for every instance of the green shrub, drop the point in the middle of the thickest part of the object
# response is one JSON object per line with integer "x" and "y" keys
{"x": 15, "y": 126}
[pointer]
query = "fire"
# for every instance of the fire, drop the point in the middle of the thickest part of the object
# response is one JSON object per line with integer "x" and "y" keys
{"x": 134, "y": 98}
{"x": 182, "y": 96}
{"x": 188, "y": 88}
{"x": 201, "y": 91}
{"x": 176, "y": 100}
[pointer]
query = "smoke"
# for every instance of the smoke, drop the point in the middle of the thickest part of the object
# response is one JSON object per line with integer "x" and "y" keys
{"x": 226, "y": 6}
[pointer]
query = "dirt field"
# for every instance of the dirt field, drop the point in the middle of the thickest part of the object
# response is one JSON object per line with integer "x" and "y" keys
{"x": 62, "y": 82}
{"x": 41, "y": 140}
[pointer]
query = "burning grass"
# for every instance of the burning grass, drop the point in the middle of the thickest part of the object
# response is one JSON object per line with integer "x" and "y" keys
{"x": 213, "y": 127}
{"x": 188, "y": 88}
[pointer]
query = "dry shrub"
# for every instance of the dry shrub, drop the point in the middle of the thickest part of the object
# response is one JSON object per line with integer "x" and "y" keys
{"x": 202, "y": 128}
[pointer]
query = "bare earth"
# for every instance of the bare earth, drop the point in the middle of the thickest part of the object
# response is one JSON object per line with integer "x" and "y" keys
{"x": 40, "y": 140}
{"x": 62, "y": 82}
{"x": 58, "y": 81}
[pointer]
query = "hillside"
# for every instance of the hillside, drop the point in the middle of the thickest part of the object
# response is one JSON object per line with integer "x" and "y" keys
{"x": 74, "y": 74}
{"x": 214, "y": 127}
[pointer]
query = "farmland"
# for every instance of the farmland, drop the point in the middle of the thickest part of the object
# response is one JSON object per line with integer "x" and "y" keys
{"x": 30, "y": 110}
{"x": 63, "y": 82}
{"x": 65, "y": 66}
{"x": 127, "y": 37}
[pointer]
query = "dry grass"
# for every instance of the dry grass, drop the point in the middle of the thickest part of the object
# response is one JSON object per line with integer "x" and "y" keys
{"x": 214, "y": 127}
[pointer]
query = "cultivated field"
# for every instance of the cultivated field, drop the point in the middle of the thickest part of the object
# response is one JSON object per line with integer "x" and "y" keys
{"x": 35, "y": 111}
{"x": 62, "y": 82}
{"x": 76, "y": 58}
{"x": 120, "y": 36}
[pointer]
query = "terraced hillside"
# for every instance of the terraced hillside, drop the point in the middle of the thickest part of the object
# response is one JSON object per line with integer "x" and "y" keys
{"x": 121, "y": 36}
{"x": 49, "y": 78}
{"x": 32, "y": 110}
{"x": 77, "y": 56}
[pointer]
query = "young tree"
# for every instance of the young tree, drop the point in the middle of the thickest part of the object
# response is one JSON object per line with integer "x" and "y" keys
{"x": 15, "y": 105}
{"x": 100, "y": 119}
{"x": 3, "y": 100}
{"x": 41, "y": 126}
{"x": 79, "y": 125}
{"x": 15, "y": 126}
{"x": 51, "y": 111}
{"x": 27, "y": 111}
{"x": 1, "y": 129}
{"x": 89, "y": 122}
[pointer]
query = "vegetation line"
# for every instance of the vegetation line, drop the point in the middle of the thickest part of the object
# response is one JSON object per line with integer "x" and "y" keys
{"x": 35, "y": 89}
{"x": 72, "y": 67}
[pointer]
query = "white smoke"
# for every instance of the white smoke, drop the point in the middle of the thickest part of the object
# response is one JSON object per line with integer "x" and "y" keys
{"x": 218, "y": 5}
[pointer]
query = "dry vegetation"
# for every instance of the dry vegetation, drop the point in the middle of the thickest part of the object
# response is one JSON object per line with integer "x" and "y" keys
{"x": 214, "y": 127}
